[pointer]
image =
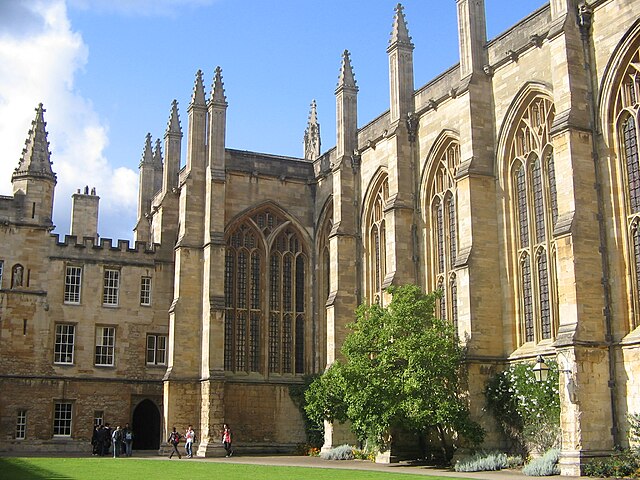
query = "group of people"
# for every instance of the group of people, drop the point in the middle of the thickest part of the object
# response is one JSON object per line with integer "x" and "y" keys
{"x": 190, "y": 437}
{"x": 119, "y": 440}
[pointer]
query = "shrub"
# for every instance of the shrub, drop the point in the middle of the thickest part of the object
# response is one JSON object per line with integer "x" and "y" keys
{"x": 625, "y": 463}
{"x": 544, "y": 466}
{"x": 527, "y": 411}
{"x": 482, "y": 462}
{"x": 514, "y": 461}
{"x": 342, "y": 452}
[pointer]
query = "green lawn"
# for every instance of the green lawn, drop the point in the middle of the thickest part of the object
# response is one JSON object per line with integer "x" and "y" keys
{"x": 147, "y": 469}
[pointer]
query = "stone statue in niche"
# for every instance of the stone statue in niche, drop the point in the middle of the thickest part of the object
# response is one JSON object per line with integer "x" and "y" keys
{"x": 16, "y": 278}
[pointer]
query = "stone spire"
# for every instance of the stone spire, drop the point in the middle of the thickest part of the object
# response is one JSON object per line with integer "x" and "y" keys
{"x": 346, "y": 109}
{"x": 312, "y": 135}
{"x": 172, "y": 150}
{"x": 400, "y": 33}
{"x": 157, "y": 153}
{"x": 157, "y": 166}
{"x": 36, "y": 158}
{"x": 198, "y": 95}
{"x": 400, "y": 51}
{"x": 173, "y": 125}
{"x": 147, "y": 153}
{"x": 217, "y": 89}
{"x": 346, "y": 78}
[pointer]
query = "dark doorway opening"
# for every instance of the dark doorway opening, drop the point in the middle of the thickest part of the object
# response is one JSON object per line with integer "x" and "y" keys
{"x": 146, "y": 426}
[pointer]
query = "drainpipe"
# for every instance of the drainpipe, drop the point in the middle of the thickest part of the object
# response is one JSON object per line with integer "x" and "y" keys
{"x": 584, "y": 23}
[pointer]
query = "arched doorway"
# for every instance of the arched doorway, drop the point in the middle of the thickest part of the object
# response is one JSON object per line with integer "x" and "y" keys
{"x": 146, "y": 426}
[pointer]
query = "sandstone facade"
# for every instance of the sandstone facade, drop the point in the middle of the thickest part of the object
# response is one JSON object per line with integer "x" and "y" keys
{"x": 511, "y": 182}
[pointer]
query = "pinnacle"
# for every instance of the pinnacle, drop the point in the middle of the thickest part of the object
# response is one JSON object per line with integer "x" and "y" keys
{"x": 346, "y": 77}
{"x": 147, "y": 154}
{"x": 400, "y": 32}
{"x": 198, "y": 96}
{"x": 173, "y": 126}
{"x": 36, "y": 158}
{"x": 217, "y": 88}
{"x": 157, "y": 153}
{"x": 313, "y": 113}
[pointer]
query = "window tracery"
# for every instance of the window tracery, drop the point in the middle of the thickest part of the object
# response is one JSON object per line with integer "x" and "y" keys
{"x": 627, "y": 111}
{"x": 443, "y": 228}
{"x": 535, "y": 213}
{"x": 260, "y": 279}
{"x": 376, "y": 241}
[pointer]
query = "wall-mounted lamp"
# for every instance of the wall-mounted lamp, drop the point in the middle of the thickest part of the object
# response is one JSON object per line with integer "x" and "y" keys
{"x": 540, "y": 370}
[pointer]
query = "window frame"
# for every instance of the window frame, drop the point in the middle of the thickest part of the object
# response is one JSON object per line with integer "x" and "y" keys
{"x": 60, "y": 423}
{"x": 109, "y": 350}
{"x": 58, "y": 353}
{"x": 21, "y": 424}
{"x": 69, "y": 285}
{"x": 156, "y": 349}
{"x": 146, "y": 284}
{"x": 111, "y": 287}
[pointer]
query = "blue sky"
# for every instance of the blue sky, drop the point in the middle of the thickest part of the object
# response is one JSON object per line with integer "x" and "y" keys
{"x": 107, "y": 71}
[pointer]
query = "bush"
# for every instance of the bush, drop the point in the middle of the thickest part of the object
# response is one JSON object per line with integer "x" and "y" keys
{"x": 514, "y": 461}
{"x": 544, "y": 466}
{"x": 342, "y": 452}
{"x": 482, "y": 462}
{"x": 625, "y": 463}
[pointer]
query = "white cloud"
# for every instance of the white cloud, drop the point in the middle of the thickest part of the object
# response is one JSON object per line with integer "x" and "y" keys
{"x": 40, "y": 66}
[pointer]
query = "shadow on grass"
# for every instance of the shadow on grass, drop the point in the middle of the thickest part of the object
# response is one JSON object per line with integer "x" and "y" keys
{"x": 14, "y": 468}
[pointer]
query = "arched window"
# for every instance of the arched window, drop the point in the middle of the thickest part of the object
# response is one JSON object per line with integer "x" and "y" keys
{"x": 442, "y": 225}
{"x": 627, "y": 114}
{"x": 376, "y": 240}
{"x": 259, "y": 280}
{"x": 534, "y": 207}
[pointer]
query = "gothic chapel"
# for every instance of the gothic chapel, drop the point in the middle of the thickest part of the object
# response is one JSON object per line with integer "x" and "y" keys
{"x": 511, "y": 182}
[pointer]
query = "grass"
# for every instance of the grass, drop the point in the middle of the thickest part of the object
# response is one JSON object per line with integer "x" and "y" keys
{"x": 143, "y": 469}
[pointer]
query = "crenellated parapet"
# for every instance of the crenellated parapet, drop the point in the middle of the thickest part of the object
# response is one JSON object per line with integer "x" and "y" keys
{"x": 104, "y": 245}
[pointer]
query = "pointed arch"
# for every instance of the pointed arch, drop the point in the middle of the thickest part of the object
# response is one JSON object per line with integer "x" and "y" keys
{"x": 266, "y": 292}
{"x": 526, "y": 170}
{"x": 375, "y": 236}
{"x": 620, "y": 109}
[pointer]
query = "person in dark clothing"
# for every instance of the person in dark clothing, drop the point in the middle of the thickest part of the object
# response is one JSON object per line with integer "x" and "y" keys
{"x": 95, "y": 449}
{"x": 174, "y": 440}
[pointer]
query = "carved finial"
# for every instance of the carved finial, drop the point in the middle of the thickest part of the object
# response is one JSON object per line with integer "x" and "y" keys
{"x": 147, "y": 153}
{"x": 412, "y": 126}
{"x": 157, "y": 153}
{"x": 217, "y": 89}
{"x": 400, "y": 32}
{"x": 36, "y": 157}
{"x": 173, "y": 125}
{"x": 198, "y": 96}
{"x": 346, "y": 78}
{"x": 312, "y": 134}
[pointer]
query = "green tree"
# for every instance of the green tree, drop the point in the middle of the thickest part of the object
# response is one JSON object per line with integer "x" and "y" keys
{"x": 402, "y": 370}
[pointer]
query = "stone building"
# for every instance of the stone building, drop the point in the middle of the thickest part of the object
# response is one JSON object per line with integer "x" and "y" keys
{"x": 511, "y": 182}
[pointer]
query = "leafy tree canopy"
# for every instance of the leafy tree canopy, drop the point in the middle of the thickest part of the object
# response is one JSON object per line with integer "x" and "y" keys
{"x": 402, "y": 369}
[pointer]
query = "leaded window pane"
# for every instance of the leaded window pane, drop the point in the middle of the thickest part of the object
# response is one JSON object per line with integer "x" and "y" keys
{"x": 527, "y": 299}
{"x": 553, "y": 195}
{"x": 287, "y": 341}
{"x": 538, "y": 206}
{"x": 440, "y": 236}
{"x": 453, "y": 236}
{"x": 229, "y": 272}
{"x": 454, "y": 303}
{"x": 255, "y": 280}
{"x": 241, "y": 346}
{"x": 62, "y": 417}
{"x": 299, "y": 284}
{"x": 21, "y": 425}
{"x": 300, "y": 344}
{"x": 543, "y": 287}
{"x": 254, "y": 343}
{"x": 274, "y": 343}
{"x": 274, "y": 284}
{"x": 241, "y": 299}
{"x": 228, "y": 339}
{"x": 630, "y": 139}
{"x": 523, "y": 222}
{"x": 287, "y": 299}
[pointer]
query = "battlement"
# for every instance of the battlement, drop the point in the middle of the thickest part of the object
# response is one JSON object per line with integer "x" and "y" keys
{"x": 104, "y": 244}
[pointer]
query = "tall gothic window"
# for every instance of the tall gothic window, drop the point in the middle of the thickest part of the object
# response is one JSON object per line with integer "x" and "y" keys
{"x": 376, "y": 240}
{"x": 443, "y": 229}
{"x": 258, "y": 280}
{"x": 627, "y": 117}
{"x": 534, "y": 206}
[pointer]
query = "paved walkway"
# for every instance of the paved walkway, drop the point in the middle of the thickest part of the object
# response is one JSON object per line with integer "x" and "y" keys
{"x": 402, "y": 467}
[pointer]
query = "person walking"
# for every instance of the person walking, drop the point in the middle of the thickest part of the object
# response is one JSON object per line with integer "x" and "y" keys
{"x": 174, "y": 440}
{"x": 116, "y": 440}
{"x": 127, "y": 435}
{"x": 226, "y": 439}
{"x": 189, "y": 437}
